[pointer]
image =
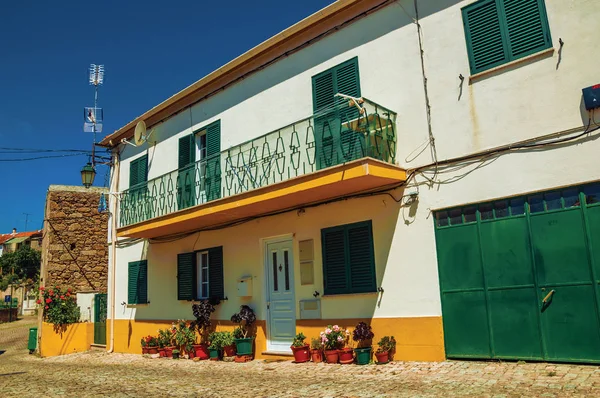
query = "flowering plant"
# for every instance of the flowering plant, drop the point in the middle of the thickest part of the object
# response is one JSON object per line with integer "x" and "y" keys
{"x": 363, "y": 334}
{"x": 60, "y": 305}
{"x": 149, "y": 341}
{"x": 334, "y": 337}
{"x": 185, "y": 336}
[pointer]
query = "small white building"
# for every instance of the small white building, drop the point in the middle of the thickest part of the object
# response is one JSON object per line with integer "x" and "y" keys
{"x": 449, "y": 196}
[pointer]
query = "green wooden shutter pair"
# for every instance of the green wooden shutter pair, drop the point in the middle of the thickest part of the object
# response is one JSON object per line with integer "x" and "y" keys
{"x": 187, "y": 275}
{"x": 186, "y": 178}
{"x": 336, "y": 144}
{"x": 500, "y": 31}
{"x": 213, "y": 160}
{"x": 348, "y": 259}
{"x": 137, "y": 286}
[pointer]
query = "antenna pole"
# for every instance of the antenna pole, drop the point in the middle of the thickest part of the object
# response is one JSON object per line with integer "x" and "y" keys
{"x": 96, "y": 79}
{"x": 26, "y": 219}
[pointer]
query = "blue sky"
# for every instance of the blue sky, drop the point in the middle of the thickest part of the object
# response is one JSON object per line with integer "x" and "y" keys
{"x": 151, "y": 49}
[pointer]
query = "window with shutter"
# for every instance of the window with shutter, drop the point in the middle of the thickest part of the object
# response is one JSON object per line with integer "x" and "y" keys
{"x": 348, "y": 259}
{"x": 137, "y": 203}
{"x": 186, "y": 195}
{"x": 137, "y": 283}
{"x": 500, "y": 31}
{"x": 213, "y": 161}
{"x": 334, "y": 143}
{"x": 200, "y": 275}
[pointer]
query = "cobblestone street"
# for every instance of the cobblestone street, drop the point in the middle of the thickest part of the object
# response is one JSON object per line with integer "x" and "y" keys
{"x": 100, "y": 374}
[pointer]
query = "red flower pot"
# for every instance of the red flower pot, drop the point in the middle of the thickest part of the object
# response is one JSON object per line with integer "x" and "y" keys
{"x": 316, "y": 356}
{"x": 346, "y": 355}
{"x": 144, "y": 350}
{"x": 382, "y": 357}
{"x": 301, "y": 354}
{"x": 229, "y": 350}
{"x": 201, "y": 351}
{"x": 169, "y": 352}
{"x": 331, "y": 356}
{"x": 152, "y": 350}
{"x": 162, "y": 353}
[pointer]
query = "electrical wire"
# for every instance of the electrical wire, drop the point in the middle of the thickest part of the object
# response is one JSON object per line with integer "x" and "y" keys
{"x": 30, "y": 150}
{"x": 43, "y": 157}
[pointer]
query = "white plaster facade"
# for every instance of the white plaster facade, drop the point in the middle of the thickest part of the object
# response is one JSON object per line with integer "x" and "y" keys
{"x": 535, "y": 98}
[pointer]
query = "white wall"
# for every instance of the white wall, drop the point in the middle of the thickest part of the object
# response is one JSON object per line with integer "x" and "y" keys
{"x": 536, "y": 98}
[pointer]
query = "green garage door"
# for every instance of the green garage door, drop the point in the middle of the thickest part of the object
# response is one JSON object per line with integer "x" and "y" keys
{"x": 519, "y": 277}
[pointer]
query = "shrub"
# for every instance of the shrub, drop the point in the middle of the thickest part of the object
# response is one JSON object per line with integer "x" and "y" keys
{"x": 386, "y": 344}
{"x": 60, "y": 305}
{"x": 299, "y": 340}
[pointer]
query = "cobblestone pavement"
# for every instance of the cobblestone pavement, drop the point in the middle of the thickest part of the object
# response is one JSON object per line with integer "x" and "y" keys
{"x": 101, "y": 374}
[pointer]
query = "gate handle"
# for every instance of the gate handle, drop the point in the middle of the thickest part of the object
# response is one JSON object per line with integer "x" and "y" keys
{"x": 548, "y": 296}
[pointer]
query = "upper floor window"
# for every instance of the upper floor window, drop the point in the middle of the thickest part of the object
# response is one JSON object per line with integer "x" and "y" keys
{"x": 138, "y": 171}
{"x": 501, "y": 31}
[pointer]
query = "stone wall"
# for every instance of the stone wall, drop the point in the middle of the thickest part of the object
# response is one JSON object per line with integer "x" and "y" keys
{"x": 74, "y": 247}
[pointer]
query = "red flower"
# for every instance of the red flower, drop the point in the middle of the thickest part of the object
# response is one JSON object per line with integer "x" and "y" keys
{"x": 68, "y": 294}
{"x": 50, "y": 292}
{"x": 48, "y": 300}
{"x": 46, "y": 307}
{"x": 69, "y": 290}
{"x": 62, "y": 297}
{"x": 38, "y": 301}
{"x": 42, "y": 288}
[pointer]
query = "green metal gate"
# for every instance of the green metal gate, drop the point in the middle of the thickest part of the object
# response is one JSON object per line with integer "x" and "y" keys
{"x": 100, "y": 319}
{"x": 519, "y": 277}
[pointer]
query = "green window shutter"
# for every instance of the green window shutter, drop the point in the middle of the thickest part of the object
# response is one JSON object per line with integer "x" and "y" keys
{"x": 213, "y": 162}
{"x": 335, "y": 272}
{"x": 187, "y": 153}
{"x": 527, "y": 26}
{"x": 132, "y": 283}
{"x": 143, "y": 169}
{"x": 361, "y": 258}
{"x": 142, "y": 285}
{"x": 213, "y": 138}
{"x": 215, "y": 273}
{"x": 347, "y": 79}
{"x": 186, "y": 276}
{"x": 500, "y": 31}
{"x": 133, "y": 173}
{"x": 323, "y": 90}
{"x": 486, "y": 41}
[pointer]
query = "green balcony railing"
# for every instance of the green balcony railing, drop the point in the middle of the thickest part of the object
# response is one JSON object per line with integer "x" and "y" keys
{"x": 331, "y": 137}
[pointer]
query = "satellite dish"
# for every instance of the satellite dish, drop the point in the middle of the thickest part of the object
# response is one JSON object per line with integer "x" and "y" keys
{"x": 140, "y": 135}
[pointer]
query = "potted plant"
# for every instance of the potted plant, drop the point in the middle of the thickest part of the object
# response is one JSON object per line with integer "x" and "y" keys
{"x": 175, "y": 353}
{"x": 228, "y": 344}
{"x": 333, "y": 339}
{"x": 151, "y": 344}
{"x": 202, "y": 311}
{"x": 216, "y": 345}
{"x": 300, "y": 349}
{"x": 245, "y": 318}
{"x": 364, "y": 336}
{"x": 316, "y": 350}
{"x": 144, "y": 345}
{"x": 185, "y": 337}
{"x": 387, "y": 346}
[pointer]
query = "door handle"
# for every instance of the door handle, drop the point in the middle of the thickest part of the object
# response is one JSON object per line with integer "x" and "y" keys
{"x": 548, "y": 296}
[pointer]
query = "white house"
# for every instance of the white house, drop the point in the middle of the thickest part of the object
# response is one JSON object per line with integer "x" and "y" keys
{"x": 448, "y": 196}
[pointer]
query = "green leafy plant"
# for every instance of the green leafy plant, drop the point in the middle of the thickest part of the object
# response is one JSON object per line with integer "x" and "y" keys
{"x": 60, "y": 305}
{"x": 386, "y": 344}
{"x": 299, "y": 340}
{"x": 217, "y": 340}
{"x": 150, "y": 341}
{"x": 316, "y": 343}
{"x": 165, "y": 338}
{"x": 185, "y": 335}
{"x": 227, "y": 339}
{"x": 238, "y": 333}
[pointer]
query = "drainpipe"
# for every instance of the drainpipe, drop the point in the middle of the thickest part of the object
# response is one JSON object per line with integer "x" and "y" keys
{"x": 113, "y": 240}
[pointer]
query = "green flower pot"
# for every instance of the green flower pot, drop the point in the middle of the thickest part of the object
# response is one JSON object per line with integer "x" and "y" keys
{"x": 244, "y": 346}
{"x": 214, "y": 354}
{"x": 363, "y": 355}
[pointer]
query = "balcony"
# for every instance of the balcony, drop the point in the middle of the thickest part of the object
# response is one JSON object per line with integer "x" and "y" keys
{"x": 343, "y": 150}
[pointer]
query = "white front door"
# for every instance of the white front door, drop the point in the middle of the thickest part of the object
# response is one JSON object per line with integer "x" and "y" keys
{"x": 281, "y": 303}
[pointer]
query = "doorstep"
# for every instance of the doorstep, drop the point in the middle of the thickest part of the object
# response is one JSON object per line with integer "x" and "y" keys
{"x": 98, "y": 347}
{"x": 276, "y": 355}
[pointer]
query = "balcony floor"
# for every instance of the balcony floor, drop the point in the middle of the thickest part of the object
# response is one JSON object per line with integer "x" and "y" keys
{"x": 361, "y": 175}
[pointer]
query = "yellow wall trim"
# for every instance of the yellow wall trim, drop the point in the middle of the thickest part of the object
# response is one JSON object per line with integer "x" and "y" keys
{"x": 418, "y": 339}
{"x": 57, "y": 340}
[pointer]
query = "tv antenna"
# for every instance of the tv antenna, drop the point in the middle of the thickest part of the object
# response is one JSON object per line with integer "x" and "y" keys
{"x": 93, "y": 116}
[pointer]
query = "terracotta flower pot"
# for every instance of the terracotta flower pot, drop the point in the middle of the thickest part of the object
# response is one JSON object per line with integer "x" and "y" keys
{"x": 316, "y": 355}
{"x": 161, "y": 352}
{"x": 332, "y": 356}
{"x": 301, "y": 354}
{"x": 152, "y": 350}
{"x": 229, "y": 350}
{"x": 201, "y": 351}
{"x": 169, "y": 352}
{"x": 346, "y": 355}
{"x": 144, "y": 350}
{"x": 382, "y": 357}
